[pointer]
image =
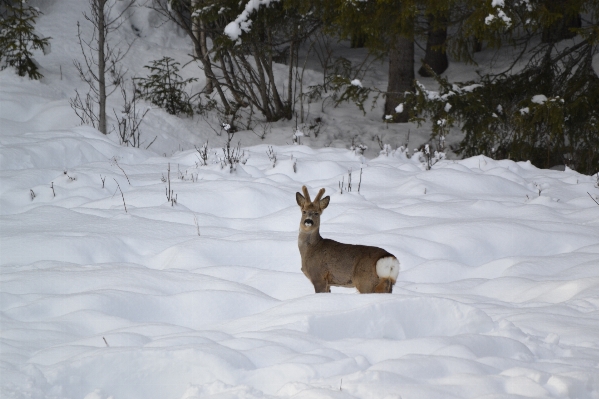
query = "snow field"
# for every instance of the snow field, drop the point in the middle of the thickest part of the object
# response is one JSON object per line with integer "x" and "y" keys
{"x": 497, "y": 295}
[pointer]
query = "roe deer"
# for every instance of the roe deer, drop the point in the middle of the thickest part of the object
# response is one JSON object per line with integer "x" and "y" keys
{"x": 329, "y": 263}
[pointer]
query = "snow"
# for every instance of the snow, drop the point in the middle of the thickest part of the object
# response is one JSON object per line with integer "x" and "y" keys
{"x": 471, "y": 88}
{"x": 489, "y": 18}
{"x": 539, "y": 99}
{"x": 498, "y": 5}
{"x": 496, "y": 296}
{"x": 243, "y": 23}
{"x": 356, "y": 82}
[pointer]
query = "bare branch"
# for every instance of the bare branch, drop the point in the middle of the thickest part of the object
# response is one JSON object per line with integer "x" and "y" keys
{"x": 122, "y": 195}
{"x": 119, "y": 166}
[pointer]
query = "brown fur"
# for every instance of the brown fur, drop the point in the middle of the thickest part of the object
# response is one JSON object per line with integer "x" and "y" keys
{"x": 329, "y": 263}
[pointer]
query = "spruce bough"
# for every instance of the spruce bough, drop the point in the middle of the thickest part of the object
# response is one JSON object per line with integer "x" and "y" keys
{"x": 18, "y": 39}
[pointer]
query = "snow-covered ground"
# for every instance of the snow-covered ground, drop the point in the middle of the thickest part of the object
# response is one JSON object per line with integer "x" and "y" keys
{"x": 498, "y": 294}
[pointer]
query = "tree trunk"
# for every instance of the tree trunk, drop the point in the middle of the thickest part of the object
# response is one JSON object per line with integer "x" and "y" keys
{"x": 290, "y": 74}
{"x": 195, "y": 29}
{"x": 401, "y": 76}
{"x": 200, "y": 48}
{"x": 561, "y": 28}
{"x": 261, "y": 83}
{"x": 204, "y": 46}
{"x": 435, "y": 56}
{"x": 358, "y": 39}
{"x": 102, "y": 65}
{"x": 477, "y": 45}
{"x": 179, "y": 18}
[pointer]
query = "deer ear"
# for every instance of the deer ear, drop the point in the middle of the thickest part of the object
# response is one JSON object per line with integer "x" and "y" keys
{"x": 324, "y": 202}
{"x": 300, "y": 199}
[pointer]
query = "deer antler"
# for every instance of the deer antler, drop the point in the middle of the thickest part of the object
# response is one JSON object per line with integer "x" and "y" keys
{"x": 319, "y": 195}
{"x": 306, "y": 194}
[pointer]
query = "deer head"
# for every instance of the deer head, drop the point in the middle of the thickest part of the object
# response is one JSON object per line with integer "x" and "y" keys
{"x": 311, "y": 210}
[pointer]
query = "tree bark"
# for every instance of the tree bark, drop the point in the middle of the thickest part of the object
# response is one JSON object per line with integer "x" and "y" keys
{"x": 401, "y": 76}
{"x": 195, "y": 29}
{"x": 100, "y": 4}
{"x": 262, "y": 85}
{"x": 290, "y": 74}
{"x": 477, "y": 45}
{"x": 435, "y": 56}
{"x": 200, "y": 48}
{"x": 358, "y": 39}
{"x": 178, "y": 17}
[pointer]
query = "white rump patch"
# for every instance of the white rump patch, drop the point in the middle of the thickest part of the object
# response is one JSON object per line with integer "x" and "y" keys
{"x": 388, "y": 268}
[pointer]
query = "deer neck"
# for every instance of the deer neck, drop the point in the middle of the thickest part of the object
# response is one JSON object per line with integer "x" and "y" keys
{"x": 306, "y": 240}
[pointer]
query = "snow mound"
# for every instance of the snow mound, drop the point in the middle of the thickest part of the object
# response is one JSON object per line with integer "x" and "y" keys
{"x": 401, "y": 319}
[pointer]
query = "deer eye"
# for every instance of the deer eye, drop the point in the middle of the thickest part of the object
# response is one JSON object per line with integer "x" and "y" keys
{"x": 304, "y": 212}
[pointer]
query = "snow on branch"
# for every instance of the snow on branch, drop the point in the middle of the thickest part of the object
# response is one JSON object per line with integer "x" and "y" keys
{"x": 243, "y": 21}
{"x": 501, "y": 15}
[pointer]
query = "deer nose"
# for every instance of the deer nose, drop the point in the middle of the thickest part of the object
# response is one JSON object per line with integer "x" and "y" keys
{"x": 308, "y": 222}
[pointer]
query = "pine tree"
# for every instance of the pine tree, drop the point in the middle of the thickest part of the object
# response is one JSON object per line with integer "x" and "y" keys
{"x": 567, "y": 19}
{"x": 376, "y": 26}
{"x": 18, "y": 39}
{"x": 435, "y": 56}
{"x": 389, "y": 27}
{"x": 545, "y": 112}
{"x": 164, "y": 87}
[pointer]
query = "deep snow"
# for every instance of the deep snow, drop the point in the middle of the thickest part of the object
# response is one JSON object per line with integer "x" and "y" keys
{"x": 497, "y": 297}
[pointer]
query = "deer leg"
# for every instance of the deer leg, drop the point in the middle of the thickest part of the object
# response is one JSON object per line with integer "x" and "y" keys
{"x": 320, "y": 285}
{"x": 384, "y": 286}
{"x": 365, "y": 279}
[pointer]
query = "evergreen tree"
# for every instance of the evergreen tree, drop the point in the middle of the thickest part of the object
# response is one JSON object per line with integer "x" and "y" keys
{"x": 164, "y": 87}
{"x": 547, "y": 111}
{"x": 567, "y": 19}
{"x": 390, "y": 27}
{"x": 436, "y": 56}
{"x": 401, "y": 77}
{"x": 18, "y": 39}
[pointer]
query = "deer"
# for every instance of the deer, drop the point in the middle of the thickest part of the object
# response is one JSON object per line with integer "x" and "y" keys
{"x": 329, "y": 263}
